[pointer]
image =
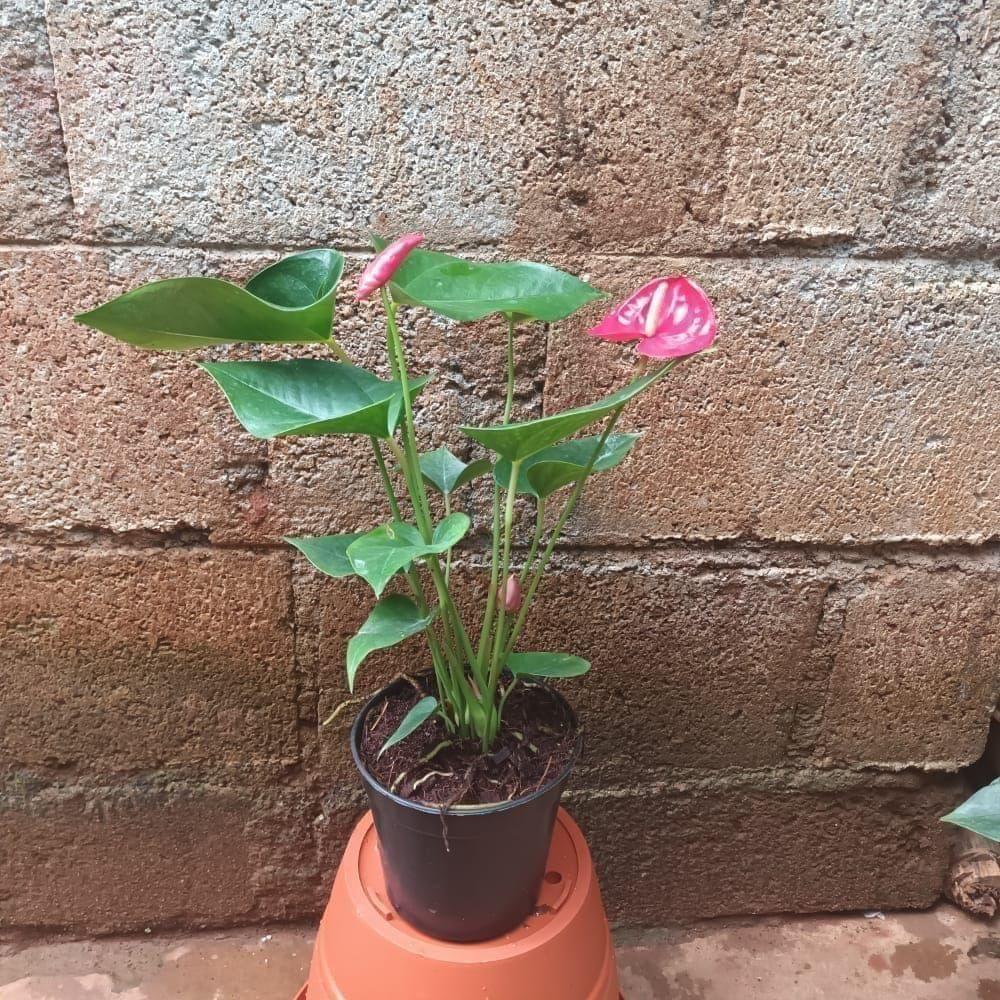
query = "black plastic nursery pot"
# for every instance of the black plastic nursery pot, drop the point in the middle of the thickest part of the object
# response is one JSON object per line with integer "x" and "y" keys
{"x": 466, "y": 873}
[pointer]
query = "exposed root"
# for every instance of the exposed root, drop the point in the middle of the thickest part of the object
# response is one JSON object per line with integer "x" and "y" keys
{"x": 374, "y": 725}
{"x": 444, "y": 744}
{"x": 340, "y": 708}
{"x": 432, "y": 774}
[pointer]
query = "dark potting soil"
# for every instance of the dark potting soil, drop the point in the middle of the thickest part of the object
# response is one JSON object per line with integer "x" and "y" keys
{"x": 536, "y": 741}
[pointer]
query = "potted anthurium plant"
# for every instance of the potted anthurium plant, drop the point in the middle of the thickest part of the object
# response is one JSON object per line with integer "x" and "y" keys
{"x": 464, "y": 761}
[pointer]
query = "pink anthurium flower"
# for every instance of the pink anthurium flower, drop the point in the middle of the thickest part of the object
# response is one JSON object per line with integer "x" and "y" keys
{"x": 670, "y": 317}
{"x": 384, "y": 265}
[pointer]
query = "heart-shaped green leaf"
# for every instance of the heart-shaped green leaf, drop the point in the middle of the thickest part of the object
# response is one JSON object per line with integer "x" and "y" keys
{"x": 553, "y": 468}
{"x": 412, "y": 721}
{"x": 307, "y": 397}
{"x": 467, "y": 290}
{"x": 392, "y": 620}
{"x": 298, "y": 281}
{"x": 380, "y": 554}
{"x": 546, "y": 665}
{"x": 447, "y": 473}
{"x": 290, "y": 302}
{"x": 519, "y": 441}
{"x": 328, "y": 553}
{"x": 980, "y": 813}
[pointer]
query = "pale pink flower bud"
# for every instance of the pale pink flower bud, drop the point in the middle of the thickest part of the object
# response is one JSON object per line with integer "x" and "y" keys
{"x": 384, "y": 265}
{"x": 512, "y": 593}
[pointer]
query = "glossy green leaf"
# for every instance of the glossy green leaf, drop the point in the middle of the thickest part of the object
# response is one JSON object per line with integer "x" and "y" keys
{"x": 412, "y": 721}
{"x": 307, "y": 397}
{"x": 380, "y": 554}
{"x": 520, "y": 441}
{"x": 553, "y": 468}
{"x": 546, "y": 665}
{"x": 290, "y": 302}
{"x": 298, "y": 281}
{"x": 328, "y": 553}
{"x": 448, "y": 473}
{"x": 392, "y": 620}
{"x": 467, "y": 290}
{"x": 980, "y": 813}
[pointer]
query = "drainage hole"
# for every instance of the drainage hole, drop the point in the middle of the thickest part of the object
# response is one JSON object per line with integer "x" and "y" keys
{"x": 553, "y": 878}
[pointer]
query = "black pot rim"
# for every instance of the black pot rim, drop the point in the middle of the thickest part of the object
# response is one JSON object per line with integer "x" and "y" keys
{"x": 476, "y": 810}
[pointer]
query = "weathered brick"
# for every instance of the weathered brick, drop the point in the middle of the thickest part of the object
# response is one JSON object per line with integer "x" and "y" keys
{"x": 158, "y": 854}
{"x": 131, "y": 661}
{"x": 102, "y": 436}
{"x": 328, "y": 613}
{"x": 784, "y": 843}
{"x": 848, "y": 402}
{"x": 874, "y": 122}
{"x": 240, "y": 138}
{"x": 707, "y": 668}
{"x": 625, "y": 124}
{"x": 101, "y": 863}
{"x": 241, "y": 124}
{"x": 915, "y": 675}
{"x": 35, "y": 200}
{"x": 673, "y": 127}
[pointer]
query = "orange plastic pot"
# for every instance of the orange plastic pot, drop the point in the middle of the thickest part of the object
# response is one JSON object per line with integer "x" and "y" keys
{"x": 366, "y": 951}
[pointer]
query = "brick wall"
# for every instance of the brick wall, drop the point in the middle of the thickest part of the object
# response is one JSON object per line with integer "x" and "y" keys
{"x": 789, "y": 593}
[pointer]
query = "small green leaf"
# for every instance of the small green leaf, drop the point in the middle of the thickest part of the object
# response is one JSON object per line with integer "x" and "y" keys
{"x": 307, "y": 397}
{"x": 412, "y": 721}
{"x": 546, "y": 665}
{"x": 980, "y": 813}
{"x": 328, "y": 553}
{"x": 553, "y": 468}
{"x": 447, "y": 473}
{"x": 299, "y": 280}
{"x": 520, "y": 441}
{"x": 380, "y": 554}
{"x": 392, "y": 620}
{"x": 290, "y": 302}
{"x": 467, "y": 290}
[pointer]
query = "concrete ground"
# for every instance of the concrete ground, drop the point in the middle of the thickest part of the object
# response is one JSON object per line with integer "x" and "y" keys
{"x": 937, "y": 955}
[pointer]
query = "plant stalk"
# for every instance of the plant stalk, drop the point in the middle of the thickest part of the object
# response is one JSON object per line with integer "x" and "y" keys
{"x": 567, "y": 511}
{"x": 414, "y": 480}
{"x": 491, "y": 598}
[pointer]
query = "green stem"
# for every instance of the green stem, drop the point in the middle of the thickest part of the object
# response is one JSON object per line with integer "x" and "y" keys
{"x": 448, "y": 604}
{"x": 508, "y": 523}
{"x": 414, "y": 480}
{"x": 447, "y": 558}
{"x": 491, "y": 598}
{"x": 383, "y": 471}
{"x": 438, "y": 654}
{"x": 509, "y": 401}
{"x": 503, "y": 699}
{"x": 568, "y": 511}
{"x": 535, "y": 541}
{"x": 338, "y": 351}
{"x": 557, "y": 531}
